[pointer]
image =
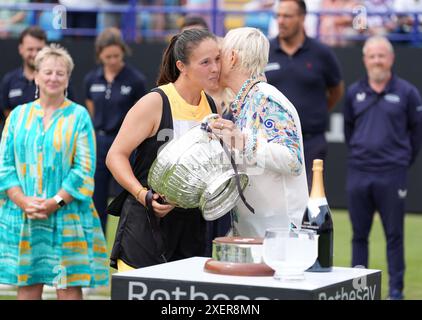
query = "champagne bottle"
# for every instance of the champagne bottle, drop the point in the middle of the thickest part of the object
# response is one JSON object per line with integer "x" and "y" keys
{"x": 317, "y": 217}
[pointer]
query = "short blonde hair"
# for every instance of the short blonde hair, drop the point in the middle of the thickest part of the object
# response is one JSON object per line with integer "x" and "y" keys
{"x": 54, "y": 50}
{"x": 251, "y": 46}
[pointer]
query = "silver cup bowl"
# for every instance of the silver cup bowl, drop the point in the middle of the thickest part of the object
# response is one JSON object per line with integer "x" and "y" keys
{"x": 194, "y": 171}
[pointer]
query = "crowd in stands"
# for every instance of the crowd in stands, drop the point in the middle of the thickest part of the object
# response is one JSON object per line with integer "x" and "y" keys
{"x": 334, "y": 22}
{"x": 366, "y": 18}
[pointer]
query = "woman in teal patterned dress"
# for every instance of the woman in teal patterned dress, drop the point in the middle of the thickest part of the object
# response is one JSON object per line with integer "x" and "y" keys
{"x": 50, "y": 232}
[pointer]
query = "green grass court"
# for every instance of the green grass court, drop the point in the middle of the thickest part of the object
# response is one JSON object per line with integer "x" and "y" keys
{"x": 377, "y": 251}
{"x": 342, "y": 251}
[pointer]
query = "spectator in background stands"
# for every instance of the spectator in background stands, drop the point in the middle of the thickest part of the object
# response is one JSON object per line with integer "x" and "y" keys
{"x": 380, "y": 24}
{"x": 47, "y": 19}
{"x": 49, "y": 22}
{"x": 335, "y": 28}
{"x": 172, "y": 20}
{"x": 199, "y": 4}
{"x": 406, "y": 23}
{"x": 12, "y": 22}
{"x": 111, "y": 19}
{"x": 311, "y": 21}
{"x": 156, "y": 23}
{"x": 272, "y": 24}
{"x": 111, "y": 90}
{"x": 82, "y": 19}
{"x": 383, "y": 131}
{"x": 146, "y": 21}
{"x": 308, "y": 74}
{"x": 193, "y": 22}
{"x": 259, "y": 20}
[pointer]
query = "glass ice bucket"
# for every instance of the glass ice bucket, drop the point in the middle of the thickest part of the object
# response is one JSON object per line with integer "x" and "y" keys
{"x": 194, "y": 171}
{"x": 289, "y": 252}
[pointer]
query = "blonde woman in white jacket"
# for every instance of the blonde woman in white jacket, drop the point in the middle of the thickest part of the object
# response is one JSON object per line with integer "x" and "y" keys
{"x": 271, "y": 150}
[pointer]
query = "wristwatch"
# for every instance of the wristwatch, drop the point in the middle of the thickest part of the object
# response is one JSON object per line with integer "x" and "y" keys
{"x": 59, "y": 200}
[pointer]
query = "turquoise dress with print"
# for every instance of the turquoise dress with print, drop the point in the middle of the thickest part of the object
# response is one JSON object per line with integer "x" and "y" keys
{"x": 68, "y": 248}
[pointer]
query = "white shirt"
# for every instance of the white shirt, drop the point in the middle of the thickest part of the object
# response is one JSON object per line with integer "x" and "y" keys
{"x": 277, "y": 188}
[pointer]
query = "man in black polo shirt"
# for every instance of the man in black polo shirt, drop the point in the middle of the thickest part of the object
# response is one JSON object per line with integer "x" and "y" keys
{"x": 18, "y": 86}
{"x": 383, "y": 130}
{"x": 308, "y": 74}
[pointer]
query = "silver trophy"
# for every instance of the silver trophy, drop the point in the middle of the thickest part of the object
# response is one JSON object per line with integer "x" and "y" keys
{"x": 194, "y": 171}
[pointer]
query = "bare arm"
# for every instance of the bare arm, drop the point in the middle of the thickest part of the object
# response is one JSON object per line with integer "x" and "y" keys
{"x": 334, "y": 95}
{"x": 90, "y": 106}
{"x": 16, "y": 18}
{"x": 141, "y": 122}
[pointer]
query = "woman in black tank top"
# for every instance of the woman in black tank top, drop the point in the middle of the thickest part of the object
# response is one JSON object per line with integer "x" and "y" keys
{"x": 163, "y": 233}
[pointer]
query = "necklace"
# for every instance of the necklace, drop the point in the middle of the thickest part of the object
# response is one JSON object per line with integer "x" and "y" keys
{"x": 236, "y": 105}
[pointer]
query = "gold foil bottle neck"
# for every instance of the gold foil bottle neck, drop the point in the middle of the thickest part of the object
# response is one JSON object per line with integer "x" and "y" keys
{"x": 317, "y": 190}
{"x": 318, "y": 165}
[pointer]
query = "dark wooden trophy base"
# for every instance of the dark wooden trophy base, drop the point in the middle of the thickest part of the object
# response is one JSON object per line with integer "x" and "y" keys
{"x": 233, "y": 256}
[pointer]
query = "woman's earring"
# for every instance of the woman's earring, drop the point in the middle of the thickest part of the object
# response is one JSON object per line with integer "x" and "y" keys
{"x": 65, "y": 93}
{"x": 36, "y": 91}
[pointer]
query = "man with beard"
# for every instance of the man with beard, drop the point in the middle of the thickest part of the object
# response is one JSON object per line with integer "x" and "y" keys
{"x": 308, "y": 74}
{"x": 18, "y": 86}
{"x": 383, "y": 130}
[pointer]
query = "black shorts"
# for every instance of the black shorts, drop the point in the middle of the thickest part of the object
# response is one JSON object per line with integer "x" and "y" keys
{"x": 182, "y": 232}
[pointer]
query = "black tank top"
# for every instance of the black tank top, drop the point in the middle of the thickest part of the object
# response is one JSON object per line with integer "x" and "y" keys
{"x": 146, "y": 152}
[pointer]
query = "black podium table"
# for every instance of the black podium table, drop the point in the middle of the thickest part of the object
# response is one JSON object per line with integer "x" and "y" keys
{"x": 187, "y": 280}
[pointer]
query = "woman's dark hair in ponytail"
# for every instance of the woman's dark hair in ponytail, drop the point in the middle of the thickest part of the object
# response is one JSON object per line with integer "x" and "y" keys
{"x": 180, "y": 48}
